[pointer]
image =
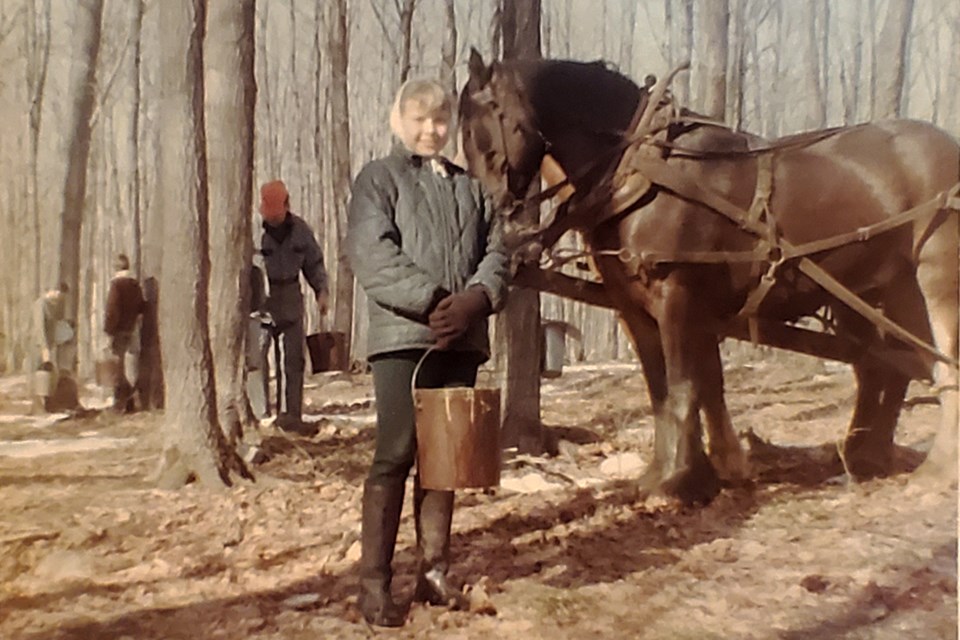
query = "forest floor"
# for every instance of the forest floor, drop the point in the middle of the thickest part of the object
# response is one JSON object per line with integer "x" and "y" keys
{"x": 566, "y": 547}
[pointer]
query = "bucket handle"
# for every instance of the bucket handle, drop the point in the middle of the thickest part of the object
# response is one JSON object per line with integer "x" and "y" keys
{"x": 416, "y": 370}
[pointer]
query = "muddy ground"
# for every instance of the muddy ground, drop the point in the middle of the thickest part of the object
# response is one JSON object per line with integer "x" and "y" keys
{"x": 565, "y": 548}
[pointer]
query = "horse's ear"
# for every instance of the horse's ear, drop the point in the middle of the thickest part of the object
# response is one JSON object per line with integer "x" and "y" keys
{"x": 479, "y": 71}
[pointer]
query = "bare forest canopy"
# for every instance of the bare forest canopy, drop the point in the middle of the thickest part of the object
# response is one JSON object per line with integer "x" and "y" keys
{"x": 791, "y": 65}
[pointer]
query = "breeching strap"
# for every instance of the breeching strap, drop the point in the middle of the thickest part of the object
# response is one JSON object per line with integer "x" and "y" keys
{"x": 661, "y": 173}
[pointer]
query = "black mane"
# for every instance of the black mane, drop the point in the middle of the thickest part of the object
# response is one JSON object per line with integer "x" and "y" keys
{"x": 579, "y": 95}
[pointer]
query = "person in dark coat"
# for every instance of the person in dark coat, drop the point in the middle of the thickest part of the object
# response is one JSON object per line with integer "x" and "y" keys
{"x": 424, "y": 246}
{"x": 121, "y": 323}
{"x": 289, "y": 248}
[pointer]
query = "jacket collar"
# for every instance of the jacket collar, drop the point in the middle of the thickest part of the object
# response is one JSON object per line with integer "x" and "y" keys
{"x": 448, "y": 168}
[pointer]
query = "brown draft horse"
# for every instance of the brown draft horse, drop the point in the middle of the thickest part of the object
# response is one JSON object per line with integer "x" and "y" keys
{"x": 513, "y": 113}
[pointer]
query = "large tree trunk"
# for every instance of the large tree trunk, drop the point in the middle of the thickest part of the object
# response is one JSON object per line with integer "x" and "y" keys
{"x": 194, "y": 446}
{"x": 518, "y": 325}
{"x": 710, "y": 57}
{"x": 83, "y": 84}
{"x": 891, "y": 59}
{"x": 338, "y": 46}
{"x": 230, "y": 99}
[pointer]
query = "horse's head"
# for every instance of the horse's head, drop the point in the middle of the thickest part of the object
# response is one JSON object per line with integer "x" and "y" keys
{"x": 501, "y": 141}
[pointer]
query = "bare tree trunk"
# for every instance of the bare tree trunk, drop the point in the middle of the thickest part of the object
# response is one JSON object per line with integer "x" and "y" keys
{"x": 38, "y": 46}
{"x": 518, "y": 325}
{"x": 850, "y": 79}
{"x": 710, "y": 57}
{"x": 683, "y": 48}
{"x": 629, "y": 19}
{"x": 891, "y": 58}
{"x": 338, "y": 47}
{"x": 83, "y": 83}
{"x": 738, "y": 66}
{"x": 448, "y": 51}
{"x": 496, "y": 30}
{"x": 194, "y": 446}
{"x": 521, "y": 29}
{"x": 149, "y": 380}
{"x": 133, "y": 148}
{"x": 406, "y": 30}
{"x": 231, "y": 97}
{"x": 815, "y": 115}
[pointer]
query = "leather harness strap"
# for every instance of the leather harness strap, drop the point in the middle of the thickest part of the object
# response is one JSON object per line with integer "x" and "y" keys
{"x": 675, "y": 180}
{"x": 760, "y": 211}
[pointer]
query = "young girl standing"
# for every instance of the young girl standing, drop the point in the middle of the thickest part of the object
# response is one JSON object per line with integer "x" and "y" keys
{"x": 424, "y": 247}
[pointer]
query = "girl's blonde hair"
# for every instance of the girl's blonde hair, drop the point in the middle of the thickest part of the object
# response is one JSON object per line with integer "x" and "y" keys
{"x": 429, "y": 93}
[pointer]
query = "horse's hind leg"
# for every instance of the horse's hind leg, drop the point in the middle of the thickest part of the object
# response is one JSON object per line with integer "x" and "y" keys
{"x": 868, "y": 450}
{"x": 938, "y": 274}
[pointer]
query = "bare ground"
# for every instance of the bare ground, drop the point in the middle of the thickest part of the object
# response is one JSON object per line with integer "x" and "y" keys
{"x": 565, "y": 548}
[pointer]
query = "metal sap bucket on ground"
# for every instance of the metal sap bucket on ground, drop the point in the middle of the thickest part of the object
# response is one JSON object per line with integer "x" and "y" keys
{"x": 554, "y": 349}
{"x": 328, "y": 351}
{"x": 107, "y": 372}
{"x": 458, "y": 437}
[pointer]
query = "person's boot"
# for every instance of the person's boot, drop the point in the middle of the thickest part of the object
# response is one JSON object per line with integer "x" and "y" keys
{"x": 382, "y": 503}
{"x": 433, "y": 511}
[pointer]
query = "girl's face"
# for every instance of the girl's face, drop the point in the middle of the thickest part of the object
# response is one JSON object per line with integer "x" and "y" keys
{"x": 424, "y": 132}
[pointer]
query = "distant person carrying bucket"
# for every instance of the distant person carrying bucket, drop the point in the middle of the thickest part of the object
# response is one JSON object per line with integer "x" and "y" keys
{"x": 423, "y": 244}
{"x": 53, "y": 356}
{"x": 289, "y": 248}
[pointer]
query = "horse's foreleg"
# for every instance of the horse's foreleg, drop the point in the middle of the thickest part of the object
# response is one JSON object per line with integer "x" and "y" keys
{"x": 645, "y": 337}
{"x": 686, "y": 471}
{"x": 723, "y": 446}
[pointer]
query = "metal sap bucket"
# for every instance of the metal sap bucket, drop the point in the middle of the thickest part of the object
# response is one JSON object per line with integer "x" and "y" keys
{"x": 328, "y": 351}
{"x": 107, "y": 372}
{"x": 43, "y": 382}
{"x": 458, "y": 437}
{"x": 554, "y": 349}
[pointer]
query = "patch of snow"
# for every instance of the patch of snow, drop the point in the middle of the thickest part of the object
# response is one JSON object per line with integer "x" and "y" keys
{"x": 529, "y": 483}
{"x": 37, "y": 448}
{"x": 622, "y": 464}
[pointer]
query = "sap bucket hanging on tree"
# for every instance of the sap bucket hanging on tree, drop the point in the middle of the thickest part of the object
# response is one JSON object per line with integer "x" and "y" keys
{"x": 107, "y": 372}
{"x": 554, "y": 348}
{"x": 458, "y": 437}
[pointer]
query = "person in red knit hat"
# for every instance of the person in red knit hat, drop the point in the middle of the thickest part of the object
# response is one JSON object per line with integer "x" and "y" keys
{"x": 289, "y": 248}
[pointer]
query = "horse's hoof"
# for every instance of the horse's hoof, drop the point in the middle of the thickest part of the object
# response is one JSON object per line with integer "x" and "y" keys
{"x": 691, "y": 486}
{"x": 868, "y": 460}
{"x": 731, "y": 467}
